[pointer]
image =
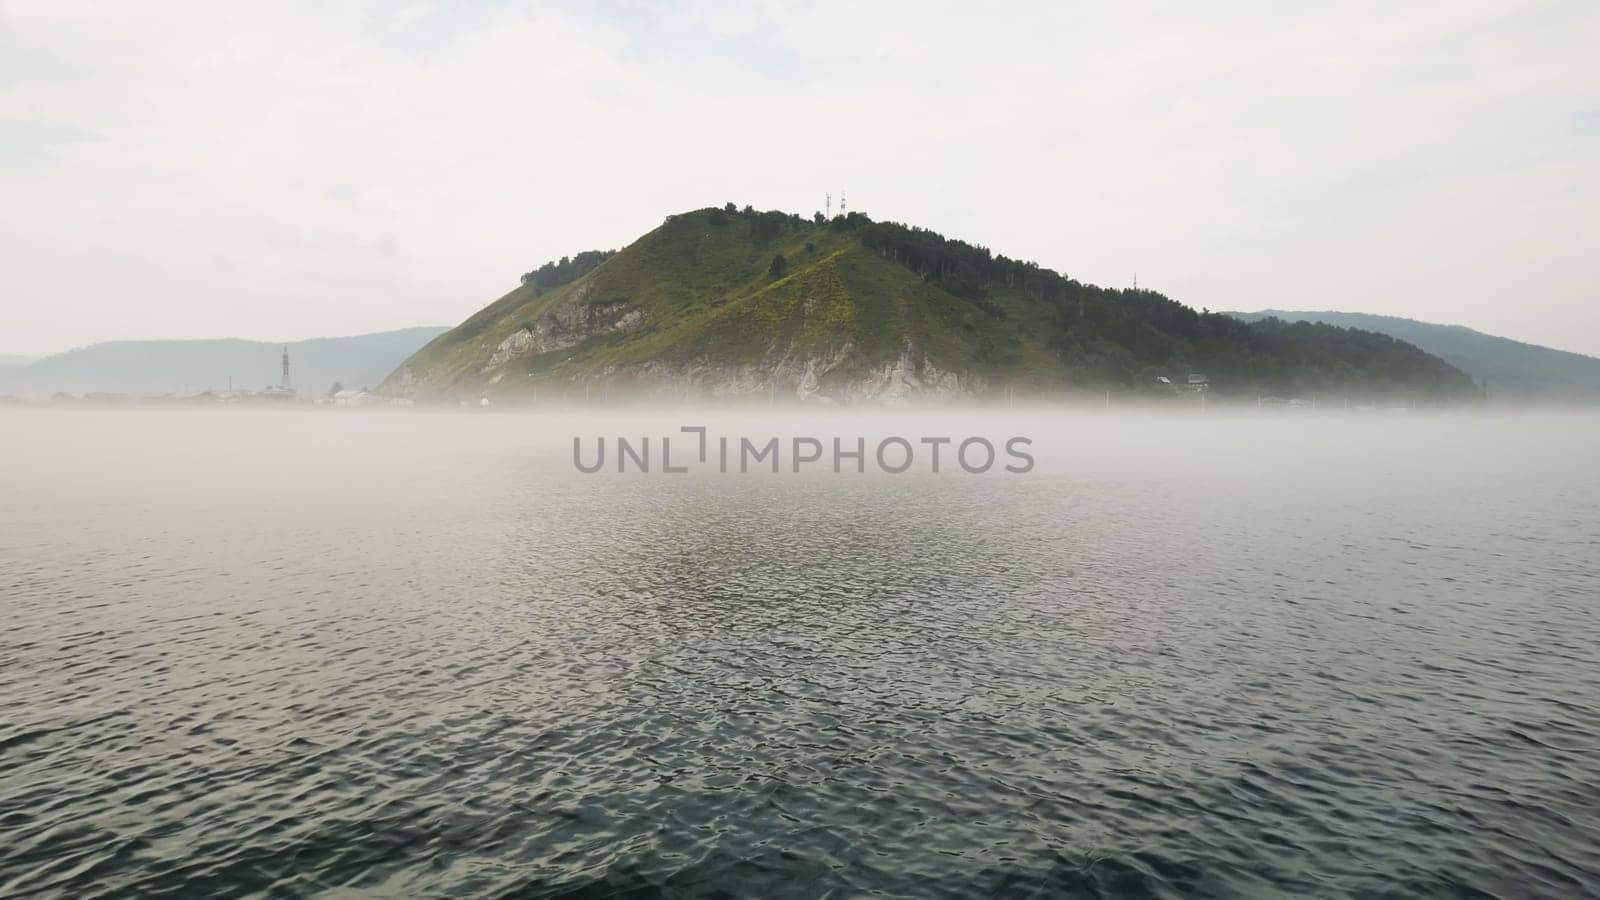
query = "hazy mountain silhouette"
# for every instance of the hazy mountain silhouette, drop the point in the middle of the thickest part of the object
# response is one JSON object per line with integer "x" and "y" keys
{"x": 161, "y": 367}
{"x": 1515, "y": 371}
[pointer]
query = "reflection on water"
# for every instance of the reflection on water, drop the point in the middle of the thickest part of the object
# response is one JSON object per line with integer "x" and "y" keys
{"x": 420, "y": 655}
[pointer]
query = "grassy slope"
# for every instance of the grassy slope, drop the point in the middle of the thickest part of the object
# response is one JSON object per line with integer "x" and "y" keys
{"x": 707, "y": 297}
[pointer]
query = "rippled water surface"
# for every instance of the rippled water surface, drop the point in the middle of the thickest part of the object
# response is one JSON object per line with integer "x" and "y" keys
{"x": 418, "y": 655}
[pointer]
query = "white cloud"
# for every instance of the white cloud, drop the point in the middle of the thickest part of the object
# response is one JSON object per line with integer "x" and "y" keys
{"x": 282, "y": 170}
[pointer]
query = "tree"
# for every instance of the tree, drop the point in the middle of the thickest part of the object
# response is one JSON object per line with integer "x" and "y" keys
{"x": 570, "y": 268}
{"x": 779, "y": 266}
{"x": 767, "y": 225}
{"x": 337, "y": 387}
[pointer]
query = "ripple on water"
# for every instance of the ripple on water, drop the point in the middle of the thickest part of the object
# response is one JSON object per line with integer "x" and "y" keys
{"x": 1101, "y": 681}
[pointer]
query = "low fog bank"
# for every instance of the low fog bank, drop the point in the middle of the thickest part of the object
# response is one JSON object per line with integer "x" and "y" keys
{"x": 412, "y": 446}
{"x": 479, "y": 494}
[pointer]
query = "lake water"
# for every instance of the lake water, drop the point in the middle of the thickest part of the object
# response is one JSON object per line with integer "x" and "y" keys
{"x": 420, "y": 655}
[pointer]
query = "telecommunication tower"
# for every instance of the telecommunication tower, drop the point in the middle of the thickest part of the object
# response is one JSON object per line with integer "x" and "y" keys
{"x": 830, "y": 204}
{"x": 286, "y": 382}
{"x": 841, "y": 204}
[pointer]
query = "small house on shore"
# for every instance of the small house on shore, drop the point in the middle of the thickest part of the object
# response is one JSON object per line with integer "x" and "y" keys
{"x": 355, "y": 398}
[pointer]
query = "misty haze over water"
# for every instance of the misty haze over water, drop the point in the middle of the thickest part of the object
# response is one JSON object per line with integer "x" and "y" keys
{"x": 420, "y": 654}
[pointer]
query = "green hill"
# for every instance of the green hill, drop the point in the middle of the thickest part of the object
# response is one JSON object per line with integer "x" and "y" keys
{"x": 731, "y": 303}
{"x": 1514, "y": 371}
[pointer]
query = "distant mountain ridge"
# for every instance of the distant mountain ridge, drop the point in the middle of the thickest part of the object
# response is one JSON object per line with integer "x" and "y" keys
{"x": 1515, "y": 371}
{"x": 731, "y": 303}
{"x": 188, "y": 366}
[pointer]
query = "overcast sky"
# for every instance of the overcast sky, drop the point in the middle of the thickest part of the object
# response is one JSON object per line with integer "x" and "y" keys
{"x": 284, "y": 170}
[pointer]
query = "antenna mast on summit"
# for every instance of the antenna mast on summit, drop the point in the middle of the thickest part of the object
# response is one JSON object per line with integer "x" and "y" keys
{"x": 841, "y": 203}
{"x": 830, "y": 204}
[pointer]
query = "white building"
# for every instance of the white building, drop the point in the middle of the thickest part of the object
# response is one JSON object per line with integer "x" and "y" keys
{"x": 356, "y": 398}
